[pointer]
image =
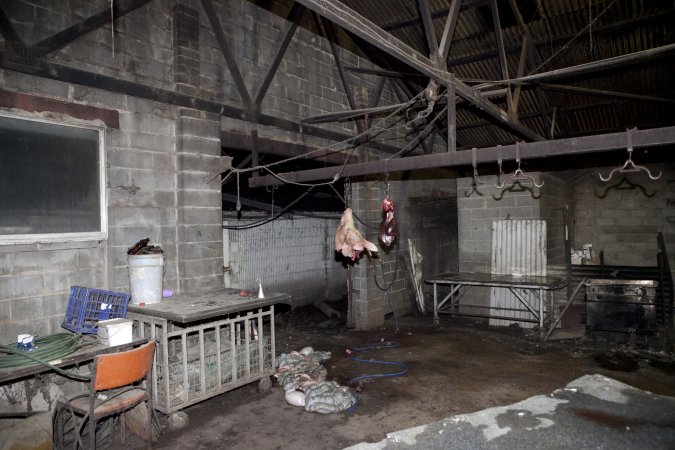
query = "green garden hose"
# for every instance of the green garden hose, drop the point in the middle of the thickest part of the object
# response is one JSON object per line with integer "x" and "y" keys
{"x": 47, "y": 348}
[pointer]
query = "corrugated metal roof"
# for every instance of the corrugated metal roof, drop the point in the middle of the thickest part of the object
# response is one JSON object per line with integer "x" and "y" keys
{"x": 566, "y": 33}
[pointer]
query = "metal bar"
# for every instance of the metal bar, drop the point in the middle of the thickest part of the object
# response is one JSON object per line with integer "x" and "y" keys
{"x": 344, "y": 115}
{"x": 604, "y": 93}
{"x": 453, "y": 290}
{"x": 241, "y": 141}
{"x": 110, "y": 84}
{"x": 350, "y": 20}
{"x": 225, "y": 50}
{"x": 488, "y": 316}
{"x": 570, "y": 300}
{"x": 452, "y": 118}
{"x": 548, "y": 43}
{"x": 294, "y": 17}
{"x": 467, "y": 4}
{"x": 449, "y": 29}
{"x": 378, "y": 93}
{"x": 520, "y": 73}
{"x": 524, "y": 302}
{"x": 254, "y": 148}
{"x": 500, "y": 48}
{"x": 65, "y": 37}
{"x": 593, "y": 66}
{"x": 428, "y": 23}
{"x": 381, "y": 72}
{"x": 588, "y": 144}
{"x": 9, "y": 32}
{"x": 420, "y": 136}
{"x": 330, "y": 36}
{"x": 534, "y": 57}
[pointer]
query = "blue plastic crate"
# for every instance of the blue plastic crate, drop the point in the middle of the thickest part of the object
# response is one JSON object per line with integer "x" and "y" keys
{"x": 86, "y": 306}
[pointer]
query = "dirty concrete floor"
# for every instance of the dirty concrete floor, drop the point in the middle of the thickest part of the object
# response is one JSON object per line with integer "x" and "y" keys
{"x": 461, "y": 367}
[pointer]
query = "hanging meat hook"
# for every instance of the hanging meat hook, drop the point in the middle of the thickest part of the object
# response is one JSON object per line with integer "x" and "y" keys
{"x": 518, "y": 175}
{"x": 629, "y": 166}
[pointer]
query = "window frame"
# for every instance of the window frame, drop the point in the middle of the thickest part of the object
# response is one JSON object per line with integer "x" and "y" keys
{"x": 99, "y": 235}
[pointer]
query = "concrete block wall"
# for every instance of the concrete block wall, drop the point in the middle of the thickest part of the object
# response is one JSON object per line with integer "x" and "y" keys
{"x": 622, "y": 219}
{"x": 556, "y": 194}
{"x": 290, "y": 255}
{"x": 389, "y": 269}
{"x": 476, "y": 211}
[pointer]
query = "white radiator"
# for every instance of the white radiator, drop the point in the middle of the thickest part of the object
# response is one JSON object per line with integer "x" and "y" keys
{"x": 518, "y": 248}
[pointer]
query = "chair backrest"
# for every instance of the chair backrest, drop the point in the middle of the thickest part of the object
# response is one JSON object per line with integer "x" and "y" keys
{"x": 120, "y": 369}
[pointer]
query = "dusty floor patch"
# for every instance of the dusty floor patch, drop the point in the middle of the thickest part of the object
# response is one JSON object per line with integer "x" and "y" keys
{"x": 460, "y": 368}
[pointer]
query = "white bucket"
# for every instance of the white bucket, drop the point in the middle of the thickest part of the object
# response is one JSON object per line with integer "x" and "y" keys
{"x": 145, "y": 278}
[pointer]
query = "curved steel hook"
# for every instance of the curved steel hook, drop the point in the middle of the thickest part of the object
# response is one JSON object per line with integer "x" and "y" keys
{"x": 629, "y": 166}
{"x": 518, "y": 175}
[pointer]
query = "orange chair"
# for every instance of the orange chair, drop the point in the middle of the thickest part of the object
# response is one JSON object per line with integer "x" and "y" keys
{"x": 114, "y": 389}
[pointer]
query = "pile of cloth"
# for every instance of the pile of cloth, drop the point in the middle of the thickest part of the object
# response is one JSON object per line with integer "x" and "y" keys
{"x": 303, "y": 378}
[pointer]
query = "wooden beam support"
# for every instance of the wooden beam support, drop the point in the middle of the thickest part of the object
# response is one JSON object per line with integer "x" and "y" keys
{"x": 225, "y": 50}
{"x": 294, "y": 17}
{"x": 350, "y": 20}
{"x": 652, "y": 138}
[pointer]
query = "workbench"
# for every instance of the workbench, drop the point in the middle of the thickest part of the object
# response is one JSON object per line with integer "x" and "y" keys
{"x": 207, "y": 343}
{"x": 517, "y": 284}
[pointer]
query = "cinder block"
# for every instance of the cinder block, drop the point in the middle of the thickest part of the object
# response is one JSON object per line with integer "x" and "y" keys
{"x": 200, "y": 250}
{"x": 21, "y": 286}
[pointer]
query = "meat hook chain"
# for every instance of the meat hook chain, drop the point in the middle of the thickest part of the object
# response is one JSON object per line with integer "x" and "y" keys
{"x": 629, "y": 166}
{"x": 518, "y": 175}
{"x": 348, "y": 193}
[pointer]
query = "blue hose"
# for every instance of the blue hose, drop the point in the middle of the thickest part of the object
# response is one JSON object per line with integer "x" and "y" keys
{"x": 374, "y": 361}
{"x": 384, "y": 344}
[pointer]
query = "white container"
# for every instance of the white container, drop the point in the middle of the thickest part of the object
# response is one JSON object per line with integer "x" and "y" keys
{"x": 113, "y": 332}
{"x": 145, "y": 278}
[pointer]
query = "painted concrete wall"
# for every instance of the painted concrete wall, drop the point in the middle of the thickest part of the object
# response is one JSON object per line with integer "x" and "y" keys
{"x": 159, "y": 157}
{"x": 292, "y": 255}
{"x": 622, "y": 218}
{"x": 479, "y": 207}
{"x": 426, "y": 213}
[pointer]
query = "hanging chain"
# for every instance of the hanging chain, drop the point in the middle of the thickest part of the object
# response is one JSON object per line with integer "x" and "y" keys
{"x": 238, "y": 200}
{"x": 348, "y": 193}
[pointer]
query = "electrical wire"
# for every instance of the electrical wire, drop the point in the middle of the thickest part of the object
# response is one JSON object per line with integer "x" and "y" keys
{"x": 47, "y": 349}
{"x": 271, "y": 218}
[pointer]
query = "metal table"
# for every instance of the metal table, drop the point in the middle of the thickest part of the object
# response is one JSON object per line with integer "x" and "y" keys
{"x": 457, "y": 280}
{"x": 207, "y": 344}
